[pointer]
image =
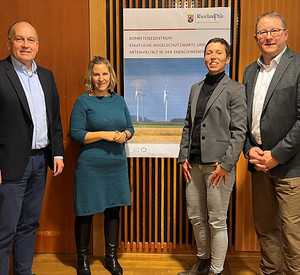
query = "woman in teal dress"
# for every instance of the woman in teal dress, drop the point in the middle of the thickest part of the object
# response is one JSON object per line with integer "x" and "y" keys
{"x": 101, "y": 122}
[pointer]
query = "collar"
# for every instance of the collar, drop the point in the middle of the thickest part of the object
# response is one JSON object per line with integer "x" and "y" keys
{"x": 20, "y": 67}
{"x": 275, "y": 60}
{"x": 212, "y": 79}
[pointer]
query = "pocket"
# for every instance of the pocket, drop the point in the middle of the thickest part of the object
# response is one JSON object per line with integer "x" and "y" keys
{"x": 290, "y": 183}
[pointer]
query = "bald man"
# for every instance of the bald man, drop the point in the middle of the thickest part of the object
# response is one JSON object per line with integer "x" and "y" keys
{"x": 30, "y": 141}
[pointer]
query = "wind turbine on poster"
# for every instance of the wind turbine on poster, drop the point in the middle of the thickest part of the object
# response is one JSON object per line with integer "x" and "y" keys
{"x": 166, "y": 92}
{"x": 142, "y": 94}
{"x": 138, "y": 95}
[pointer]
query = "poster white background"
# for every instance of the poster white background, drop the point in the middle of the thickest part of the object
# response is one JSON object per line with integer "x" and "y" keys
{"x": 168, "y": 33}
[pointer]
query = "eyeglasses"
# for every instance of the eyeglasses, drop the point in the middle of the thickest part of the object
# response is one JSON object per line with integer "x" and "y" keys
{"x": 273, "y": 32}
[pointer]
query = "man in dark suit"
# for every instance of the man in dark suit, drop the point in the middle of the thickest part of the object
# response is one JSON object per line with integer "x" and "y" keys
{"x": 30, "y": 140}
{"x": 273, "y": 146}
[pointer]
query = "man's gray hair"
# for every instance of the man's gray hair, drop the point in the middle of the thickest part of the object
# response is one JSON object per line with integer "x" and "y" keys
{"x": 11, "y": 30}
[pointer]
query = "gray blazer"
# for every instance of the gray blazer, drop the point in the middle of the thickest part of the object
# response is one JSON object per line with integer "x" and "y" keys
{"x": 223, "y": 127}
{"x": 280, "y": 120}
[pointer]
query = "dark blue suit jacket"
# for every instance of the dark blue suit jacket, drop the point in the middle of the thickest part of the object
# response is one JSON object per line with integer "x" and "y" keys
{"x": 16, "y": 126}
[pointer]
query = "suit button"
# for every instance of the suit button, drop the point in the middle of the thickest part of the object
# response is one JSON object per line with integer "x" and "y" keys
{"x": 203, "y": 138}
{"x": 203, "y": 125}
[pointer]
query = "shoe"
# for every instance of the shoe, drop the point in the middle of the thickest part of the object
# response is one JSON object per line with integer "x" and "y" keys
{"x": 112, "y": 265}
{"x": 83, "y": 265}
{"x": 201, "y": 267}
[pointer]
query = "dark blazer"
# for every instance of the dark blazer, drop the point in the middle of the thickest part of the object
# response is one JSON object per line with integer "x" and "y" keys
{"x": 16, "y": 126}
{"x": 280, "y": 120}
{"x": 223, "y": 127}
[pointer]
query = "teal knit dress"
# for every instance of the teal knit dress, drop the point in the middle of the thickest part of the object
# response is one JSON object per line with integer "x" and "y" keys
{"x": 101, "y": 176}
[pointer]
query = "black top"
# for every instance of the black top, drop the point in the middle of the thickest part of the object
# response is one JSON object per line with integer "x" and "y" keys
{"x": 210, "y": 83}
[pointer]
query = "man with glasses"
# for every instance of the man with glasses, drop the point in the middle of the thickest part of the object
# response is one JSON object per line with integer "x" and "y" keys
{"x": 273, "y": 145}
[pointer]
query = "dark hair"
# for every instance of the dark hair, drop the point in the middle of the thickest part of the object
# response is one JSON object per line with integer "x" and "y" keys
{"x": 219, "y": 40}
{"x": 11, "y": 31}
{"x": 271, "y": 14}
{"x": 97, "y": 60}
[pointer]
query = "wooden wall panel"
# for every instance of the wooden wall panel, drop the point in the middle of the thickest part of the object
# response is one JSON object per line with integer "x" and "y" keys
{"x": 63, "y": 28}
{"x": 97, "y": 14}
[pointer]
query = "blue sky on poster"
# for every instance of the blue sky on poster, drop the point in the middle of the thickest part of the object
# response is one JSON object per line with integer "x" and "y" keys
{"x": 152, "y": 76}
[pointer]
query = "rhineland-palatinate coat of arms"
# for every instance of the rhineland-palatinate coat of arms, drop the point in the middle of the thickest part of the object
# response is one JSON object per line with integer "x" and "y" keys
{"x": 190, "y": 18}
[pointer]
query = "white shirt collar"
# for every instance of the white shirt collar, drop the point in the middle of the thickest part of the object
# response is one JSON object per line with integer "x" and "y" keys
{"x": 276, "y": 60}
{"x": 19, "y": 66}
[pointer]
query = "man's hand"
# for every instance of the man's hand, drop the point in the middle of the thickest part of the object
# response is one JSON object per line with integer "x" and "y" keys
{"x": 269, "y": 160}
{"x": 58, "y": 166}
{"x": 186, "y": 171}
{"x": 256, "y": 156}
{"x": 219, "y": 174}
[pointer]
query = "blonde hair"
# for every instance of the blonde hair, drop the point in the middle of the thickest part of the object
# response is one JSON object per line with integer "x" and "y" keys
{"x": 88, "y": 83}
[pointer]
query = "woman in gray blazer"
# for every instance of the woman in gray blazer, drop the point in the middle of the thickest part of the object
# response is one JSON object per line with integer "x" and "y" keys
{"x": 212, "y": 140}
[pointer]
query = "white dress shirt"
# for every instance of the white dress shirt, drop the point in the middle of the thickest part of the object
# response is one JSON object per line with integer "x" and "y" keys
{"x": 263, "y": 81}
{"x": 36, "y": 101}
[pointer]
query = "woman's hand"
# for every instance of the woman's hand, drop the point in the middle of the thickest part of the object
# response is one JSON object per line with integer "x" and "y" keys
{"x": 109, "y": 135}
{"x": 219, "y": 174}
{"x": 91, "y": 137}
{"x": 120, "y": 137}
{"x": 186, "y": 171}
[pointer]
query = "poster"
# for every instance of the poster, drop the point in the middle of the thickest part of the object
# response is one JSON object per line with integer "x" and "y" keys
{"x": 163, "y": 57}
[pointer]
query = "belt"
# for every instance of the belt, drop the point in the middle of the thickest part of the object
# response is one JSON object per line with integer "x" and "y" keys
{"x": 36, "y": 151}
